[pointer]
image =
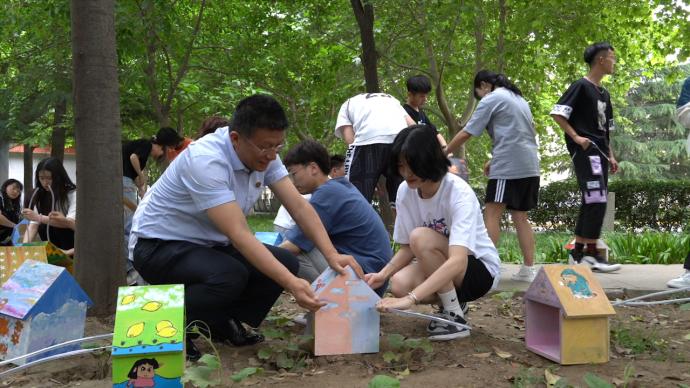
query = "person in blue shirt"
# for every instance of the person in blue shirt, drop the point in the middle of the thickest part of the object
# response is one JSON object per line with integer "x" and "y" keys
{"x": 191, "y": 227}
{"x": 352, "y": 224}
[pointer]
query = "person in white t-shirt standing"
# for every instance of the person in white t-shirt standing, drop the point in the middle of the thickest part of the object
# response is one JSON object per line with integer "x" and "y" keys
{"x": 368, "y": 123}
{"x": 439, "y": 222}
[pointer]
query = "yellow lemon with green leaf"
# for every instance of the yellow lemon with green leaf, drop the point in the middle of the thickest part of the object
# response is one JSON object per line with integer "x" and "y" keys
{"x": 165, "y": 329}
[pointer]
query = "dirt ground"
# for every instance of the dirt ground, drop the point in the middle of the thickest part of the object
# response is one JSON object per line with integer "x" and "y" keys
{"x": 650, "y": 346}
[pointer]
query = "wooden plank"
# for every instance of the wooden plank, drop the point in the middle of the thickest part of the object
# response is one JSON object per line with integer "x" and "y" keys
{"x": 584, "y": 340}
{"x": 578, "y": 291}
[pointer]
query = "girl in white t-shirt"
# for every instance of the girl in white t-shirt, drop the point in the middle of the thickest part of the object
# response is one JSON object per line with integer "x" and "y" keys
{"x": 439, "y": 223}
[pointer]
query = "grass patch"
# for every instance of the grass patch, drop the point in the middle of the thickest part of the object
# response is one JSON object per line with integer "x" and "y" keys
{"x": 638, "y": 340}
{"x": 261, "y": 222}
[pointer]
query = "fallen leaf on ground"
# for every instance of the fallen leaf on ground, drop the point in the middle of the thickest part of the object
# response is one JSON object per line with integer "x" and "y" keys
{"x": 482, "y": 355}
{"x": 501, "y": 353}
{"x": 551, "y": 379}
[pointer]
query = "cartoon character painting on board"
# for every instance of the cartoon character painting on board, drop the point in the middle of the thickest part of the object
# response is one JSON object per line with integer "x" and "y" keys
{"x": 142, "y": 373}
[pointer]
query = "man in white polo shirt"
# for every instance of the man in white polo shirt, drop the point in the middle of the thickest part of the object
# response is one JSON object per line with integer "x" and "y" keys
{"x": 192, "y": 227}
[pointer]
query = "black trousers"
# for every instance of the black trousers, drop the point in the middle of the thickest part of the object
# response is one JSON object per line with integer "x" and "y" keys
{"x": 687, "y": 262}
{"x": 365, "y": 164}
{"x": 591, "y": 170}
{"x": 219, "y": 282}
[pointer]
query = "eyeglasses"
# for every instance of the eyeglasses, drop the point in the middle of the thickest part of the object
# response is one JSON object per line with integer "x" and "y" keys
{"x": 265, "y": 150}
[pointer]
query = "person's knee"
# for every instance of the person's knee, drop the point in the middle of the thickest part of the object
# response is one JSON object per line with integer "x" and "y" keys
{"x": 423, "y": 241}
{"x": 400, "y": 285}
{"x": 519, "y": 217}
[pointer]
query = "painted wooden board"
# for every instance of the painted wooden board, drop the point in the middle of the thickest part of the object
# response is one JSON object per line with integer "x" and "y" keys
{"x": 148, "y": 338}
{"x": 11, "y": 259}
{"x": 349, "y": 323}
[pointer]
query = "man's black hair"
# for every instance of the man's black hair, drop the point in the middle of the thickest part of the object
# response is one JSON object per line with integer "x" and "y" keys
{"x": 337, "y": 161}
{"x": 593, "y": 50}
{"x": 306, "y": 152}
{"x": 497, "y": 80}
{"x": 420, "y": 148}
{"x": 258, "y": 111}
{"x": 419, "y": 84}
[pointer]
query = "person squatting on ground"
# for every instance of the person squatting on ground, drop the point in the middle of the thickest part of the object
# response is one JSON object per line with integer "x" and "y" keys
{"x": 439, "y": 223}
{"x": 368, "y": 123}
{"x": 10, "y": 209}
{"x": 53, "y": 203}
{"x": 513, "y": 170}
{"x": 204, "y": 241}
{"x": 418, "y": 89}
{"x": 585, "y": 114}
{"x": 683, "y": 116}
{"x": 351, "y": 222}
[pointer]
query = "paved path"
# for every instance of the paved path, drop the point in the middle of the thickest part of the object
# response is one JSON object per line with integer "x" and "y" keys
{"x": 631, "y": 280}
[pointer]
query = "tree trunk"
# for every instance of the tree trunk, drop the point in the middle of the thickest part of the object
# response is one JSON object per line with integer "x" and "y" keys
{"x": 100, "y": 267}
{"x": 57, "y": 140}
{"x": 364, "y": 13}
{"x": 28, "y": 156}
{"x": 500, "y": 46}
{"x": 4, "y": 159}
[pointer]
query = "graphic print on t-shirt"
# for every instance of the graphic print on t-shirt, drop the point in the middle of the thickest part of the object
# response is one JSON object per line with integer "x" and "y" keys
{"x": 438, "y": 225}
{"x": 601, "y": 115}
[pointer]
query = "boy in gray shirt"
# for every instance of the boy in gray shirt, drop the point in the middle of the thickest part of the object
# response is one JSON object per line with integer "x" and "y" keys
{"x": 514, "y": 168}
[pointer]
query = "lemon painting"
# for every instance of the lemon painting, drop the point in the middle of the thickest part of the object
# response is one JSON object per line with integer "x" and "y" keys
{"x": 149, "y": 324}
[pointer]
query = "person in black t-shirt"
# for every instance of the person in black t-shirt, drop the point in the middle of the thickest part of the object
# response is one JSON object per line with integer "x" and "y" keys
{"x": 418, "y": 89}
{"x": 585, "y": 114}
{"x": 10, "y": 209}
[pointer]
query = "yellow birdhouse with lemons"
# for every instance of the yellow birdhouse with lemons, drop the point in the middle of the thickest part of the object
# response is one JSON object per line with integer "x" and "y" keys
{"x": 12, "y": 258}
{"x": 148, "y": 339}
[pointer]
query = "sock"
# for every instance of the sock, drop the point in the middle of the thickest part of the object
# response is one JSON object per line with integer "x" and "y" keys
{"x": 450, "y": 302}
{"x": 579, "y": 247}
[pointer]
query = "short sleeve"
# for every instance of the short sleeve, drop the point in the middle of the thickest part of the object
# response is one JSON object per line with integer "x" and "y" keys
{"x": 481, "y": 116}
{"x": 208, "y": 182}
{"x": 466, "y": 213}
{"x": 566, "y": 104}
{"x": 321, "y": 201}
{"x": 344, "y": 118}
{"x": 275, "y": 172}
{"x": 72, "y": 210}
{"x": 403, "y": 222}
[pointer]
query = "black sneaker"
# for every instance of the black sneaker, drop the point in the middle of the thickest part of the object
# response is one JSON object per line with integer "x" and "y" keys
{"x": 445, "y": 331}
{"x": 431, "y": 328}
{"x": 598, "y": 263}
{"x": 234, "y": 333}
{"x": 193, "y": 353}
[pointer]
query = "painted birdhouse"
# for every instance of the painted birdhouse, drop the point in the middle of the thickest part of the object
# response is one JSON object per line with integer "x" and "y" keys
{"x": 602, "y": 248}
{"x": 40, "y": 305}
{"x": 13, "y": 257}
{"x": 148, "y": 339}
{"x": 567, "y": 315}
{"x": 349, "y": 323}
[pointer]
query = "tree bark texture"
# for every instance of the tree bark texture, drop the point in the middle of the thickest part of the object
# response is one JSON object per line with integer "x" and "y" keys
{"x": 57, "y": 138}
{"x": 100, "y": 267}
{"x": 28, "y": 157}
{"x": 364, "y": 13}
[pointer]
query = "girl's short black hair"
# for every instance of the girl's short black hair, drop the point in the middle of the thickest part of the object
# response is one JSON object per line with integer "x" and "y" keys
{"x": 133, "y": 371}
{"x": 306, "y": 152}
{"x": 420, "y": 148}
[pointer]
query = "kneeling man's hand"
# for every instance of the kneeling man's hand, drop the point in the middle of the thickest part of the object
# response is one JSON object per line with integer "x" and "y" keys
{"x": 304, "y": 295}
{"x": 339, "y": 262}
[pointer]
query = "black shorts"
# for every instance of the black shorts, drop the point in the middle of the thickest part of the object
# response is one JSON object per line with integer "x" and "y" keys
{"x": 477, "y": 282}
{"x": 518, "y": 194}
{"x": 364, "y": 165}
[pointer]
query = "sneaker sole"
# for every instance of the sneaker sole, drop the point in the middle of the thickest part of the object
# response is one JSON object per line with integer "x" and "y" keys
{"x": 451, "y": 336}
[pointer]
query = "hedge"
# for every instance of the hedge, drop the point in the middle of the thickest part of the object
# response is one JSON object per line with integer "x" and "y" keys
{"x": 660, "y": 205}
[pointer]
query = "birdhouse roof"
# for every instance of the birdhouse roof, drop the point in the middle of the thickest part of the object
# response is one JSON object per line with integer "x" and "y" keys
{"x": 572, "y": 288}
{"x": 149, "y": 319}
{"x": 38, "y": 287}
{"x": 329, "y": 280}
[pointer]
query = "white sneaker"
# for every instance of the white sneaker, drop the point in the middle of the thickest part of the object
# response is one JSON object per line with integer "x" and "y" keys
{"x": 300, "y": 319}
{"x": 525, "y": 274}
{"x": 681, "y": 281}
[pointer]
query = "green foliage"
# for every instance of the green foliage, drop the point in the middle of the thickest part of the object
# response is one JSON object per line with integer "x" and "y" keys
{"x": 383, "y": 381}
{"x": 594, "y": 381}
{"x": 403, "y": 351}
{"x": 640, "y": 204}
{"x": 283, "y": 349}
{"x": 202, "y": 373}
{"x": 638, "y": 340}
{"x": 246, "y": 373}
{"x": 261, "y": 222}
{"x": 528, "y": 378}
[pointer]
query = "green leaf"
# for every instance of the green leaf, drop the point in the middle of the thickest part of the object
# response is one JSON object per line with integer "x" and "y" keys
{"x": 396, "y": 341}
{"x": 200, "y": 376}
{"x": 390, "y": 357}
{"x": 594, "y": 381}
{"x": 264, "y": 353}
{"x": 246, "y": 372}
{"x": 383, "y": 381}
{"x": 284, "y": 361}
{"x": 273, "y": 333}
{"x": 685, "y": 307}
{"x": 211, "y": 361}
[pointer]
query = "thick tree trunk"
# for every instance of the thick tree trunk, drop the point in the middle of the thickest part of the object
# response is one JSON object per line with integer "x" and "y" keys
{"x": 4, "y": 159}
{"x": 28, "y": 156}
{"x": 364, "y": 13}
{"x": 100, "y": 267}
{"x": 57, "y": 140}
